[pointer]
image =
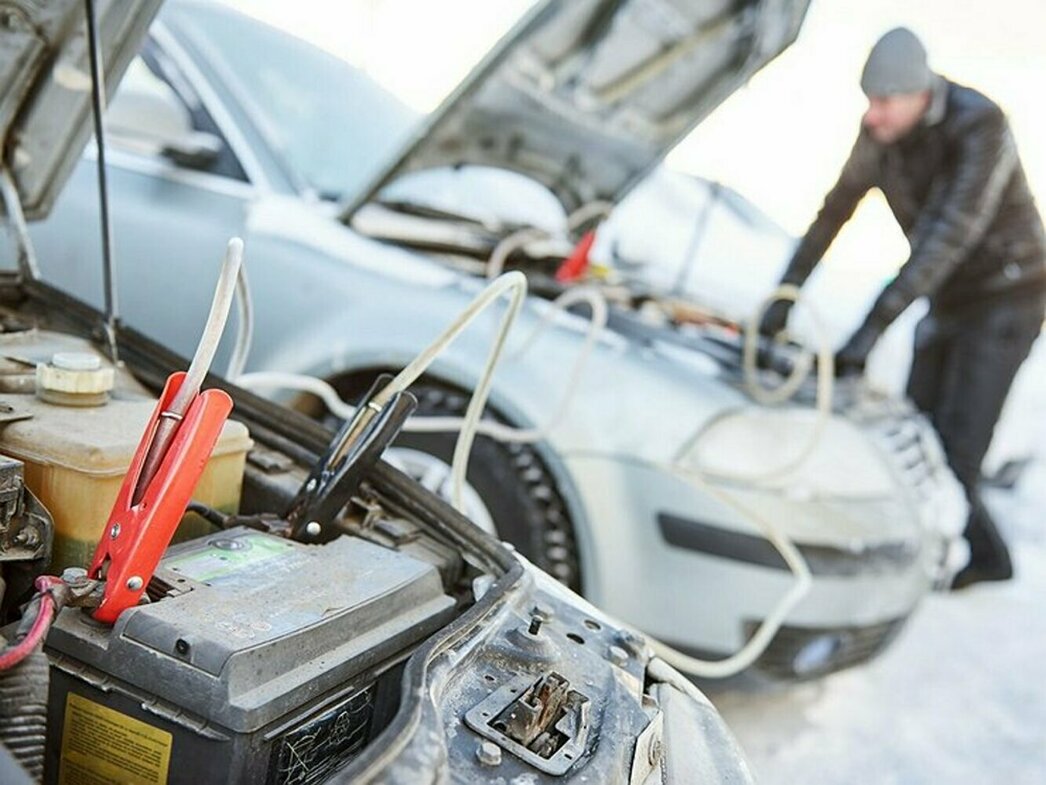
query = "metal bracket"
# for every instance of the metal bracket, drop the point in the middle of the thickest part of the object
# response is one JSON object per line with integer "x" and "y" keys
{"x": 536, "y": 711}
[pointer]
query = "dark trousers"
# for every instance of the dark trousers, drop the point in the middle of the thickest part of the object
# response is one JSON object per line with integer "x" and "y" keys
{"x": 963, "y": 367}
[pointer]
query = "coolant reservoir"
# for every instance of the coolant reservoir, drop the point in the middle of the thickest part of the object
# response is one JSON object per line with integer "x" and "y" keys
{"x": 76, "y": 455}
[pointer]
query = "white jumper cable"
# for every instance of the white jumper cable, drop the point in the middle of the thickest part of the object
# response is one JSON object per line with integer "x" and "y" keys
{"x": 471, "y": 425}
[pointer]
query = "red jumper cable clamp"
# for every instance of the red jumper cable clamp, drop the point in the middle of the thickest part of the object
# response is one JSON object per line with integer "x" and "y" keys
{"x": 139, "y": 531}
{"x": 577, "y": 263}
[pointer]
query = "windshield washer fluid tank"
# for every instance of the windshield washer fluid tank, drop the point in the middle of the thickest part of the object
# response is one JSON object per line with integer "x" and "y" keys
{"x": 76, "y": 458}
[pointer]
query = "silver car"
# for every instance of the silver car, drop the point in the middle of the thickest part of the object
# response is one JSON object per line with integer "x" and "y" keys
{"x": 344, "y": 625}
{"x": 228, "y": 126}
{"x": 707, "y": 232}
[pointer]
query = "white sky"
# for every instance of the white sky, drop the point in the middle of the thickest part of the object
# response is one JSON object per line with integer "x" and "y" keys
{"x": 782, "y": 139}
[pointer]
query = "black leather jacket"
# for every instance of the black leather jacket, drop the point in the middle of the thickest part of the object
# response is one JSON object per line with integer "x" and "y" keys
{"x": 959, "y": 192}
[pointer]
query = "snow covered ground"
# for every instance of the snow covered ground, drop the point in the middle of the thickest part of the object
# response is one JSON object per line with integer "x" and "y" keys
{"x": 959, "y": 698}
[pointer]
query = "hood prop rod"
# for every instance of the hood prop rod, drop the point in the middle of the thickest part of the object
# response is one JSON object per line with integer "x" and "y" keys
{"x": 97, "y": 110}
{"x": 27, "y": 266}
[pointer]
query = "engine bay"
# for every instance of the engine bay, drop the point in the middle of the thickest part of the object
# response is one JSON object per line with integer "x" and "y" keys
{"x": 242, "y": 628}
{"x": 310, "y": 615}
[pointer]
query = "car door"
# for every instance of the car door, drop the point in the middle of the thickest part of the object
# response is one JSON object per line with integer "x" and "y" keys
{"x": 177, "y": 190}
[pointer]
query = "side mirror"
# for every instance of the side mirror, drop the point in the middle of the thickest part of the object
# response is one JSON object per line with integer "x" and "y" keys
{"x": 147, "y": 117}
{"x": 197, "y": 150}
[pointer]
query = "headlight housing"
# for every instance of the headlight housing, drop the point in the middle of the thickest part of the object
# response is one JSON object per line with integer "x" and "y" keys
{"x": 797, "y": 451}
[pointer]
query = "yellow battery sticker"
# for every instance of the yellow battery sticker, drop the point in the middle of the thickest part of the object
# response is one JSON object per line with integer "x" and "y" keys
{"x": 101, "y": 746}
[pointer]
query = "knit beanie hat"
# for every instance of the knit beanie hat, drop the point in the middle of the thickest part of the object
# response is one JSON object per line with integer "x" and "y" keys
{"x": 897, "y": 64}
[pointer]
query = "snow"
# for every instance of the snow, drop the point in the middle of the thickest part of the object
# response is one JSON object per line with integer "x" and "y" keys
{"x": 960, "y": 697}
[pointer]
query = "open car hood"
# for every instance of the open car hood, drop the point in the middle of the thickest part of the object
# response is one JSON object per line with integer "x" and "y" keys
{"x": 586, "y": 96}
{"x": 45, "y": 73}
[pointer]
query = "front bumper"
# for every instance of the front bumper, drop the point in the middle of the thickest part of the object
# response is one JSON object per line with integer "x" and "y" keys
{"x": 798, "y": 653}
{"x": 684, "y": 567}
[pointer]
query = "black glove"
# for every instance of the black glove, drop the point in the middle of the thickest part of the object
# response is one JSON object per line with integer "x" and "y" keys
{"x": 775, "y": 318}
{"x": 851, "y": 359}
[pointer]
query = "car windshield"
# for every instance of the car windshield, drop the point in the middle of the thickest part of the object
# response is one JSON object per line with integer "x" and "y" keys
{"x": 331, "y": 124}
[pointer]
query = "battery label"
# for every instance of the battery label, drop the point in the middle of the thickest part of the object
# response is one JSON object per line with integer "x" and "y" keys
{"x": 311, "y": 752}
{"x": 224, "y": 557}
{"x": 101, "y": 746}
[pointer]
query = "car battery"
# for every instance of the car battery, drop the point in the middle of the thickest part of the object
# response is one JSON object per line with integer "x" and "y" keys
{"x": 257, "y": 660}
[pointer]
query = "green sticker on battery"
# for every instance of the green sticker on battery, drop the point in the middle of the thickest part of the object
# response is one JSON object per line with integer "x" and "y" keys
{"x": 225, "y": 556}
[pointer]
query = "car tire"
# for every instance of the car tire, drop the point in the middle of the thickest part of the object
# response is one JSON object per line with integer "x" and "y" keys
{"x": 512, "y": 480}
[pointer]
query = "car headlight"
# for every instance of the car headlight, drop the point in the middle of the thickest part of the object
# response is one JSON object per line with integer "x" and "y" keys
{"x": 797, "y": 451}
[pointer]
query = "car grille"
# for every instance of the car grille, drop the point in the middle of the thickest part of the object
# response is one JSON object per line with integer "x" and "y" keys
{"x": 909, "y": 443}
{"x": 711, "y": 540}
{"x": 914, "y": 453}
{"x": 797, "y": 653}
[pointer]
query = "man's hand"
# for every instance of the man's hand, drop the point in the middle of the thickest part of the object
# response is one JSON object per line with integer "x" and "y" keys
{"x": 775, "y": 318}
{"x": 851, "y": 359}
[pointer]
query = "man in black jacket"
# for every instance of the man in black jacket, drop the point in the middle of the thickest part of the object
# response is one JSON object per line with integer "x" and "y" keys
{"x": 945, "y": 159}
